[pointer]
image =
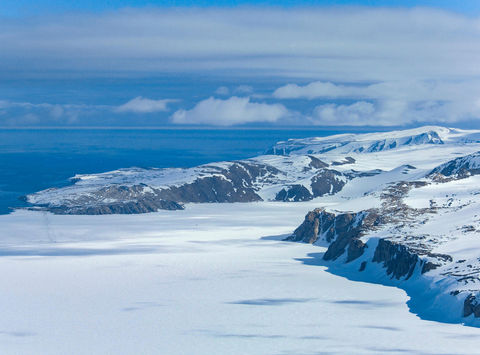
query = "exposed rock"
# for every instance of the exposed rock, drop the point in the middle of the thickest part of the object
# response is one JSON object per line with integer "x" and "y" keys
{"x": 294, "y": 193}
{"x": 396, "y": 258}
{"x": 132, "y": 207}
{"x": 471, "y": 306}
{"x": 459, "y": 168}
{"x": 327, "y": 182}
{"x": 427, "y": 266}
{"x": 347, "y": 160}
{"x": 317, "y": 163}
{"x": 211, "y": 189}
{"x": 224, "y": 182}
{"x": 308, "y": 231}
{"x": 355, "y": 249}
{"x": 342, "y": 231}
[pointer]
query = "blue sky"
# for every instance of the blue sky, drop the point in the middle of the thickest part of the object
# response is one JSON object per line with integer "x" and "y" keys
{"x": 31, "y": 7}
{"x": 138, "y": 63}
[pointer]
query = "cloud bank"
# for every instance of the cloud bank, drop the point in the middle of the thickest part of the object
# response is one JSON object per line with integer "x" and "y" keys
{"x": 144, "y": 105}
{"x": 235, "y": 110}
{"x": 351, "y": 66}
{"x": 26, "y": 113}
{"x": 336, "y": 44}
{"x": 390, "y": 102}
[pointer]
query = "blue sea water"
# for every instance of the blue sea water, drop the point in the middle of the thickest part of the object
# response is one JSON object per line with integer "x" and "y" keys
{"x": 36, "y": 159}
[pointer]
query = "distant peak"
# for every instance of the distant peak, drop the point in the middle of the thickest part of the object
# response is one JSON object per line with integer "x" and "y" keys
{"x": 374, "y": 142}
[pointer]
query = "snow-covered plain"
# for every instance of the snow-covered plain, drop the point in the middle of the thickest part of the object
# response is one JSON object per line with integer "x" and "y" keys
{"x": 206, "y": 280}
{"x": 217, "y": 278}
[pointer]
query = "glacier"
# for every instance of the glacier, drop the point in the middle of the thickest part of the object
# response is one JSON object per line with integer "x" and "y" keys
{"x": 376, "y": 234}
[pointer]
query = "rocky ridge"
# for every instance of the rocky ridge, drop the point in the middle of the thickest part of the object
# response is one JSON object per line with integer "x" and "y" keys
{"x": 393, "y": 237}
{"x": 148, "y": 190}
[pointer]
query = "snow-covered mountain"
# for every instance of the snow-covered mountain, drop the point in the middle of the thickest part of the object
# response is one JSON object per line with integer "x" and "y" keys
{"x": 376, "y": 142}
{"x": 401, "y": 208}
{"x": 299, "y": 170}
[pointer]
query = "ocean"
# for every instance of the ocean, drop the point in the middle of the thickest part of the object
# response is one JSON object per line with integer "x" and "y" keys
{"x": 35, "y": 159}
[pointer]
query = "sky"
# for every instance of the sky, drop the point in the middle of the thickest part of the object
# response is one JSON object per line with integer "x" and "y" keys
{"x": 236, "y": 63}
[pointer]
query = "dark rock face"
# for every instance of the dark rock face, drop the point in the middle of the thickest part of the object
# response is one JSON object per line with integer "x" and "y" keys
{"x": 308, "y": 231}
{"x": 210, "y": 189}
{"x": 396, "y": 258}
{"x": 343, "y": 234}
{"x": 352, "y": 174}
{"x": 294, "y": 193}
{"x": 341, "y": 231}
{"x": 427, "y": 266}
{"x": 132, "y": 207}
{"x": 327, "y": 182}
{"x": 235, "y": 184}
{"x": 135, "y": 199}
{"x": 458, "y": 168}
{"x": 471, "y": 306}
{"x": 238, "y": 181}
{"x": 349, "y": 227}
{"x": 317, "y": 163}
{"x": 346, "y": 231}
{"x": 347, "y": 160}
{"x": 355, "y": 249}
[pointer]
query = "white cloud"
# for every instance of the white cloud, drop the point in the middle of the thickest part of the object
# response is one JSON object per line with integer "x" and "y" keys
{"x": 27, "y": 113}
{"x": 406, "y": 89}
{"x": 397, "y": 102}
{"x": 244, "y": 89}
{"x": 13, "y": 112}
{"x": 412, "y": 65}
{"x": 240, "y": 90}
{"x": 232, "y": 111}
{"x": 223, "y": 91}
{"x": 314, "y": 90}
{"x": 355, "y": 114}
{"x": 144, "y": 105}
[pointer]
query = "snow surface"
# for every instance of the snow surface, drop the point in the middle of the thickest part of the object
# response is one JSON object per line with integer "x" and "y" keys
{"x": 206, "y": 280}
{"x": 218, "y": 279}
{"x": 379, "y": 141}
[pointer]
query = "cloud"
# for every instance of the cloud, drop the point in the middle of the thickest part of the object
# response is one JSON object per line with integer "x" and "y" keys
{"x": 314, "y": 90}
{"x": 244, "y": 89}
{"x": 355, "y": 44}
{"x": 27, "y": 113}
{"x": 232, "y": 111}
{"x": 406, "y": 89}
{"x": 393, "y": 112}
{"x": 359, "y": 113}
{"x": 388, "y": 66}
{"x": 144, "y": 105}
{"x": 241, "y": 90}
{"x": 223, "y": 91}
{"x": 395, "y": 102}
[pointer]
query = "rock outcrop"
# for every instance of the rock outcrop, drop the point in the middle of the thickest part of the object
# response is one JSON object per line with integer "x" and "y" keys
{"x": 402, "y": 255}
{"x": 148, "y": 190}
{"x": 459, "y": 168}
